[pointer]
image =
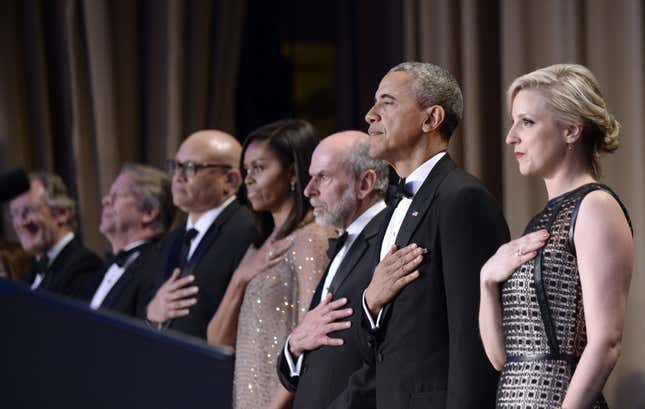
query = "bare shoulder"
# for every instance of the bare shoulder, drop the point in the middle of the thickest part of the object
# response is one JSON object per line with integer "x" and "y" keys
{"x": 601, "y": 220}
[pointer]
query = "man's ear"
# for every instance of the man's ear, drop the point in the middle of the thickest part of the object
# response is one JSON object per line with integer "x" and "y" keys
{"x": 434, "y": 119}
{"x": 149, "y": 216}
{"x": 234, "y": 179}
{"x": 365, "y": 184}
{"x": 62, "y": 216}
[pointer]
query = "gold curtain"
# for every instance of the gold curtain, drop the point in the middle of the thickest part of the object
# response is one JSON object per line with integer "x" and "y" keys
{"x": 489, "y": 43}
{"x": 88, "y": 85}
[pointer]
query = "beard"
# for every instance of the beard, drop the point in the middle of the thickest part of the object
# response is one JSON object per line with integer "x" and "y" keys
{"x": 336, "y": 215}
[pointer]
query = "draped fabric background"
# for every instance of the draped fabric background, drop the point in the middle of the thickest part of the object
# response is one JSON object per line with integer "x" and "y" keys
{"x": 87, "y": 85}
{"x": 487, "y": 44}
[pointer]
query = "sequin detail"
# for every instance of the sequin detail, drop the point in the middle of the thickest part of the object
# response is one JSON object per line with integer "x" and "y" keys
{"x": 274, "y": 302}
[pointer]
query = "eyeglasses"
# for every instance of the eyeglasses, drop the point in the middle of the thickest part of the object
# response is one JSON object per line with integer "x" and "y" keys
{"x": 189, "y": 169}
{"x": 24, "y": 212}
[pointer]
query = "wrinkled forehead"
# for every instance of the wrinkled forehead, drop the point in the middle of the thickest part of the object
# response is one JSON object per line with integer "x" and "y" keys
{"x": 329, "y": 161}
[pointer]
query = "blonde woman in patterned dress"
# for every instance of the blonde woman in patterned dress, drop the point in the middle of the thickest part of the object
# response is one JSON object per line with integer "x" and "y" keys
{"x": 553, "y": 301}
{"x": 271, "y": 290}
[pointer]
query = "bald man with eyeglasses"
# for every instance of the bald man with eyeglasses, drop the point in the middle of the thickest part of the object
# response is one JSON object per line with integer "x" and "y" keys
{"x": 200, "y": 256}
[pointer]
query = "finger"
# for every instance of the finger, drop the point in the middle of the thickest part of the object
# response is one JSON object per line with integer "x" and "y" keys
{"x": 182, "y": 293}
{"x": 336, "y": 326}
{"x": 405, "y": 268}
{"x": 388, "y": 256}
{"x": 178, "y": 313}
{"x": 324, "y": 302}
{"x": 182, "y": 282}
{"x": 334, "y": 342}
{"x": 271, "y": 262}
{"x": 182, "y": 304}
{"x": 405, "y": 280}
{"x": 336, "y": 304}
{"x": 411, "y": 256}
{"x": 338, "y": 314}
{"x": 401, "y": 253}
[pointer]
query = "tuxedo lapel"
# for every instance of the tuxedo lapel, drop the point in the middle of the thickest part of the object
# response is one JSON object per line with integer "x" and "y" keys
{"x": 209, "y": 238}
{"x": 423, "y": 200}
{"x": 354, "y": 254}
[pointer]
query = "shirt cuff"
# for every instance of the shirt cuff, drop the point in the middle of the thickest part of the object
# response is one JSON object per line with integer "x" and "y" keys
{"x": 294, "y": 369}
{"x": 373, "y": 325}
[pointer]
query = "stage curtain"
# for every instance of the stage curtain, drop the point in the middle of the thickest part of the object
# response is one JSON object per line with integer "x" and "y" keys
{"x": 88, "y": 85}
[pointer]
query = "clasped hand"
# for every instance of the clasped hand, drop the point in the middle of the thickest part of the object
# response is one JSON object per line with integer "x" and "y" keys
{"x": 395, "y": 271}
{"x": 313, "y": 331}
{"x": 173, "y": 298}
{"x": 511, "y": 255}
{"x": 257, "y": 260}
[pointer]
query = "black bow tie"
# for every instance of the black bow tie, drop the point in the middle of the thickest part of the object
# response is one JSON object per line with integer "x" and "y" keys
{"x": 121, "y": 258}
{"x": 399, "y": 190}
{"x": 335, "y": 244}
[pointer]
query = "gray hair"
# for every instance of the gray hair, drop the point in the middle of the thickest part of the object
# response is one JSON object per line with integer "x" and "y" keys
{"x": 57, "y": 196}
{"x": 360, "y": 161}
{"x": 153, "y": 188}
{"x": 434, "y": 85}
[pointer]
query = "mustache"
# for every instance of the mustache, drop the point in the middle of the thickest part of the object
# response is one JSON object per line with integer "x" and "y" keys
{"x": 315, "y": 202}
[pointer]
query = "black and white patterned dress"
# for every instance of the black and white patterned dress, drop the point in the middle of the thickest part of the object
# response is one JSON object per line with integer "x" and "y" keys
{"x": 542, "y": 313}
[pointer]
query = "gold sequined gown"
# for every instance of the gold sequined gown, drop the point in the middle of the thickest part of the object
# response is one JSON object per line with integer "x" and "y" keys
{"x": 274, "y": 302}
{"x": 543, "y": 314}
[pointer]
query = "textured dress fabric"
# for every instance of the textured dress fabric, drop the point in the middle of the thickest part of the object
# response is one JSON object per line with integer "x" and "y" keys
{"x": 274, "y": 302}
{"x": 543, "y": 315}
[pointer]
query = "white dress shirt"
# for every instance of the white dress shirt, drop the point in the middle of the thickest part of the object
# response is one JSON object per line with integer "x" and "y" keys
{"x": 204, "y": 223}
{"x": 353, "y": 231}
{"x": 113, "y": 274}
{"x": 51, "y": 256}
{"x": 412, "y": 183}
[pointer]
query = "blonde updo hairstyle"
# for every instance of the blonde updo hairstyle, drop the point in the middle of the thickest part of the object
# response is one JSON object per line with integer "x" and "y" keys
{"x": 573, "y": 93}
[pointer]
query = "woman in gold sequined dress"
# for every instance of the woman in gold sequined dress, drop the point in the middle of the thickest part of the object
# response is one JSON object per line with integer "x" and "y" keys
{"x": 553, "y": 301}
{"x": 271, "y": 289}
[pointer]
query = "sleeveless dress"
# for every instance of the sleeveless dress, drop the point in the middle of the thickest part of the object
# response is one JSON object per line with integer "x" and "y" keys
{"x": 542, "y": 312}
{"x": 273, "y": 304}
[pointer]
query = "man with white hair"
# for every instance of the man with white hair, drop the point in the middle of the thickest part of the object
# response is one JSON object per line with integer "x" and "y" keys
{"x": 346, "y": 190}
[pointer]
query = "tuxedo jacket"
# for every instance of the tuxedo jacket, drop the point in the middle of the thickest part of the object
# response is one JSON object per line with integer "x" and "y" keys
{"x": 75, "y": 272}
{"x": 427, "y": 352}
{"x": 212, "y": 263}
{"x": 326, "y": 371}
{"x": 135, "y": 288}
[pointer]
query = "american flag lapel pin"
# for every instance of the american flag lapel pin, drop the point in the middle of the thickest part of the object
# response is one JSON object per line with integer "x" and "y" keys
{"x": 415, "y": 213}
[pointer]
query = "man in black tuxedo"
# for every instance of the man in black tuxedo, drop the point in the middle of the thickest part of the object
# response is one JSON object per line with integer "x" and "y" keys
{"x": 346, "y": 190}
{"x": 200, "y": 256}
{"x": 136, "y": 212}
{"x": 421, "y": 319}
{"x": 44, "y": 219}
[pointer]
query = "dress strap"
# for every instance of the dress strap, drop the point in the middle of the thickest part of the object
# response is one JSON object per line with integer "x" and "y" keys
{"x": 543, "y": 302}
{"x": 584, "y": 191}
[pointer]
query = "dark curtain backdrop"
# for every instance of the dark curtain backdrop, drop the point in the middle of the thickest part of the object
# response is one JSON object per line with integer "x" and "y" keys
{"x": 89, "y": 85}
{"x": 86, "y": 85}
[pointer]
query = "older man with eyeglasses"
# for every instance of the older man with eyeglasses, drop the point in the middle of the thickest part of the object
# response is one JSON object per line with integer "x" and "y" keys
{"x": 200, "y": 256}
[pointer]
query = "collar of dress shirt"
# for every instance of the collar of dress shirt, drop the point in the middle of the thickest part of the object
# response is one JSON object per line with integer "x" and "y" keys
{"x": 58, "y": 247}
{"x": 361, "y": 221}
{"x": 134, "y": 244}
{"x": 204, "y": 223}
{"x": 418, "y": 176}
